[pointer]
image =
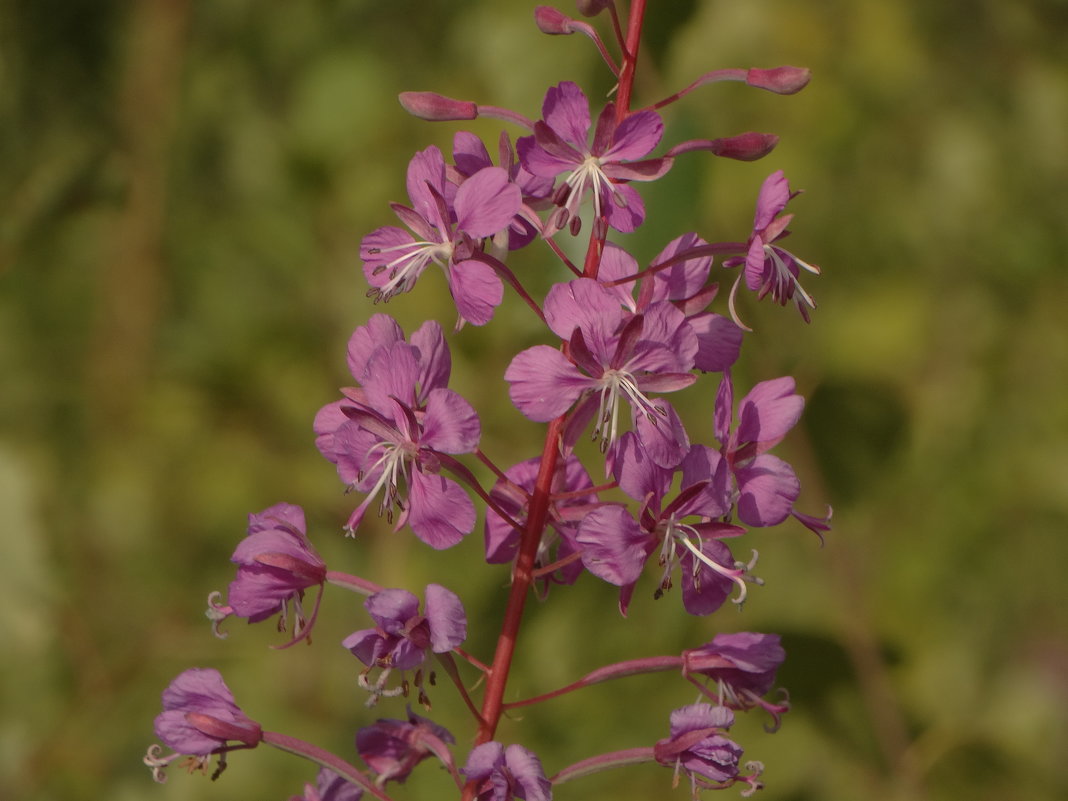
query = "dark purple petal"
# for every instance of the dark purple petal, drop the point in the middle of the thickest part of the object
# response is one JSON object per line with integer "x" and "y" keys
{"x": 724, "y": 409}
{"x": 666, "y": 441}
{"x": 706, "y": 592}
{"x": 332, "y": 787}
{"x": 469, "y": 154}
{"x": 684, "y": 279}
{"x": 445, "y": 614}
{"x": 637, "y": 474}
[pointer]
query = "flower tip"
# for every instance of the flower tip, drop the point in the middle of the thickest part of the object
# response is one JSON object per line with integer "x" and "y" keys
{"x": 749, "y": 146}
{"x": 781, "y": 80}
{"x": 437, "y": 108}
{"x": 552, "y": 21}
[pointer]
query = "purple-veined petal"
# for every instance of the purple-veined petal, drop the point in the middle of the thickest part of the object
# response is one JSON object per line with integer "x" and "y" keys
{"x": 767, "y": 489}
{"x": 527, "y": 772}
{"x": 390, "y": 376}
{"x": 378, "y": 331}
{"x": 392, "y": 608}
{"x": 451, "y": 424}
{"x": 486, "y": 202}
{"x": 724, "y": 408}
{"x": 469, "y": 154}
{"x": 684, "y": 279}
{"x": 719, "y": 341}
{"x": 426, "y": 170}
{"x": 445, "y": 614}
{"x": 476, "y": 289}
{"x": 707, "y": 592}
{"x": 435, "y": 362}
{"x": 774, "y": 194}
{"x": 614, "y": 546}
{"x": 588, "y": 306}
{"x": 543, "y": 384}
{"x": 440, "y": 513}
{"x": 666, "y": 442}
{"x": 768, "y": 411}
{"x": 567, "y": 111}
{"x": 624, "y": 208}
{"x": 635, "y": 137}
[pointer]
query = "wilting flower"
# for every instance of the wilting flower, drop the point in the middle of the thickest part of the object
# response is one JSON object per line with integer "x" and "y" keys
{"x": 392, "y": 748}
{"x": 697, "y": 747}
{"x": 501, "y": 774}
{"x": 561, "y": 144}
{"x": 200, "y": 718}
{"x": 275, "y": 564}
{"x": 769, "y": 269}
{"x": 396, "y": 427}
{"x": 743, "y": 665}
{"x": 402, "y": 635}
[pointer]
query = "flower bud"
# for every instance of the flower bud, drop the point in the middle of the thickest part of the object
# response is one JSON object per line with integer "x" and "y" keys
{"x": 552, "y": 21}
{"x": 781, "y": 80}
{"x": 437, "y": 108}
{"x": 749, "y": 146}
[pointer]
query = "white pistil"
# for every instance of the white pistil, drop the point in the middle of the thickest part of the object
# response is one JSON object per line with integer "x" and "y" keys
{"x": 392, "y": 463}
{"x": 406, "y": 268}
{"x": 614, "y": 385}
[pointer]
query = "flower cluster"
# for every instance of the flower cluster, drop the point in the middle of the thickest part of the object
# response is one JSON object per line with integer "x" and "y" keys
{"x": 622, "y": 339}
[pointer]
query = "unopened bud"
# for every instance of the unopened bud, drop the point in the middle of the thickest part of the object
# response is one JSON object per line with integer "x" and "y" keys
{"x": 591, "y": 8}
{"x": 437, "y": 108}
{"x": 552, "y": 21}
{"x": 745, "y": 147}
{"x": 781, "y": 80}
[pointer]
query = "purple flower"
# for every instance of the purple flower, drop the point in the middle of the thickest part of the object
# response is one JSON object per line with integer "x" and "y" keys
{"x": 275, "y": 564}
{"x": 616, "y": 547}
{"x": 329, "y": 786}
{"x": 770, "y": 270}
{"x": 402, "y": 635}
{"x": 449, "y": 224}
{"x": 611, "y": 355}
{"x": 200, "y": 716}
{"x": 698, "y": 748}
{"x": 512, "y": 495}
{"x": 470, "y": 156}
{"x": 398, "y": 427}
{"x": 392, "y": 748}
{"x": 766, "y": 485}
{"x": 501, "y": 774}
{"x": 743, "y": 665}
{"x": 683, "y": 282}
{"x": 560, "y": 144}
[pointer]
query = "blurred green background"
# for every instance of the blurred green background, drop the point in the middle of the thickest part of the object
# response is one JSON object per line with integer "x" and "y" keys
{"x": 184, "y": 187}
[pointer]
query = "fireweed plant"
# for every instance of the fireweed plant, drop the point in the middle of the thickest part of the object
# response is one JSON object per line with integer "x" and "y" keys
{"x": 621, "y": 337}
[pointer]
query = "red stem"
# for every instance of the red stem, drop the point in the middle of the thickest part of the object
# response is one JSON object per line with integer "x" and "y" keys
{"x": 630, "y": 58}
